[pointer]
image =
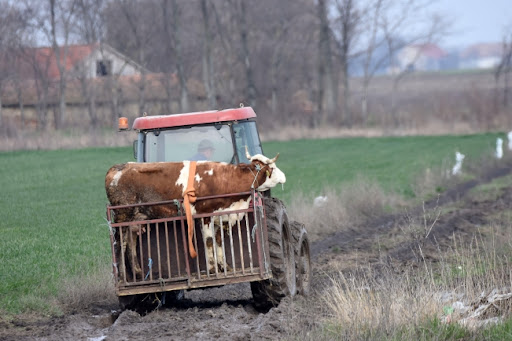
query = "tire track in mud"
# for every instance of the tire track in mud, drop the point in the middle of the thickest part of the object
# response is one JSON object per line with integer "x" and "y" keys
{"x": 365, "y": 237}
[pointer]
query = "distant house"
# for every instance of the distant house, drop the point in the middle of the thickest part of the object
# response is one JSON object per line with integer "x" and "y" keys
{"x": 480, "y": 56}
{"x": 89, "y": 61}
{"x": 30, "y": 92}
{"x": 420, "y": 57}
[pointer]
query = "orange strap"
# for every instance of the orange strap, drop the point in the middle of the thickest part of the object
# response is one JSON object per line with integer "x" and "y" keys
{"x": 189, "y": 197}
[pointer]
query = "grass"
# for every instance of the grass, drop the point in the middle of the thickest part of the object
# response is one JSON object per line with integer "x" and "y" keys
{"x": 392, "y": 162}
{"x": 53, "y": 225}
{"x": 53, "y": 202}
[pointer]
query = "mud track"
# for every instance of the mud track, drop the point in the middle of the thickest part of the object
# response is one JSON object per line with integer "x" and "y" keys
{"x": 228, "y": 313}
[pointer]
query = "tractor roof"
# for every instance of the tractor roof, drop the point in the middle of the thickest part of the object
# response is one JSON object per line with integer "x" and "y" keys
{"x": 193, "y": 118}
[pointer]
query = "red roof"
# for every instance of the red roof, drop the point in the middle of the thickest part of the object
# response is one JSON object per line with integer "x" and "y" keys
{"x": 483, "y": 50}
{"x": 45, "y": 61}
{"x": 75, "y": 54}
{"x": 430, "y": 50}
{"x": 202, "y": 117}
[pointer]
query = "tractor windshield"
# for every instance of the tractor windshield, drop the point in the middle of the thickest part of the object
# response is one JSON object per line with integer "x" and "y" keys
{"x": 246, "y": 134}
{"x": 202, "y": 143}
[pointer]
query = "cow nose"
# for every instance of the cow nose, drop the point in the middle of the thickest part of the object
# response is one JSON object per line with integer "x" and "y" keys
{"x": 279, "y": 176}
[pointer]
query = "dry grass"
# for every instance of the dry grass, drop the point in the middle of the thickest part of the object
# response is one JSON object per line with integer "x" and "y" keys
{"x": 430, "y": 128}
{"x": 345, "y": 207}
{"x": 388, "y": 303}
{"x": 51, "y": 140}
{"x": 371, "y": 306}
{"x": 88, "y": 290}
{"x": 434, "y": 180}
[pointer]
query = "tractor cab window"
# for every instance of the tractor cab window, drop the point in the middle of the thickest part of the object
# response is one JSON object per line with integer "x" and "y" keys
{"x": 200, "y": 143}
{"x": 246, "y": 134}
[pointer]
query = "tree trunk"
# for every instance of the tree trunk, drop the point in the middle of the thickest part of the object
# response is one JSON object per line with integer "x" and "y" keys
{"x": 114, "y": 100}
{"x": 20, "y": 102}
{"x": 208, "y": 77}
{"x": 167, "y": 83}
{"x": 506, "y": 89}
{"x": 88, "y": 94}
{"x": 273, "y": 81}
{"x": 43, "y": 111}
{"x": 61, "y": 59}
{"x": 142, "y": 92}
{"x": 250, "y": 87}
{"x": 60, "y": 114}
{"x": 1, "y": 111}
{"x": 184, "y": 103}
{"x": 327, "y": 92}
{"x": 347, "y": 115}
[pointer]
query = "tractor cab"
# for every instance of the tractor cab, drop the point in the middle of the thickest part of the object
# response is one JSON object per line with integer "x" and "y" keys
{"x": 209, "y": 135}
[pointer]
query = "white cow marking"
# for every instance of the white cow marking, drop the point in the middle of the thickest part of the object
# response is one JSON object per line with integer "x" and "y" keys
{"x": 183, "y": 178}
{"x": 115, "y": 179}
{"x": 241, "y": 204}
{"x": 231, "y": 219}
{"x": 209, "y": 172}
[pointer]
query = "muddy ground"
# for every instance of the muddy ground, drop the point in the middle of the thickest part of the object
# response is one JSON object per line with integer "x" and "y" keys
{"x": 228, "y": 313}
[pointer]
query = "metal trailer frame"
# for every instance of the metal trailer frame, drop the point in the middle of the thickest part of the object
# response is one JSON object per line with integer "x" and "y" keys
{"x": 163, "y": 255}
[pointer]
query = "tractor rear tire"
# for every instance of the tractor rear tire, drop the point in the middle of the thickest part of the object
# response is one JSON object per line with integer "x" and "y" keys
{"x": 302, "y": 258}
{"x": 269, "y": 293}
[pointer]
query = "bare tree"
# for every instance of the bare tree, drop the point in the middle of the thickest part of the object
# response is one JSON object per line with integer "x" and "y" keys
{"x": 208, "y": 72}
{"x": 90, "y": 25}
{"x": 504, "y": 68}
{"x": 250, "y": 89}
{"x": 347, "y": 29}
{"x": 12, "y": 23}
{"x": 174, "y": 46}
{"x": 327, "y": 89}
{"x": 373, "y": 17}
{"x": 54, "y": 21}
{"x": 225, "y": 23}
{"x": 139, "y": 29}
{"x": 39, "y": 61}
{"x": 90, "y": 29}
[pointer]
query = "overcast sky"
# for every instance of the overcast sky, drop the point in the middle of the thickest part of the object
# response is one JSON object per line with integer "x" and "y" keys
{"x": 475, "y": 21}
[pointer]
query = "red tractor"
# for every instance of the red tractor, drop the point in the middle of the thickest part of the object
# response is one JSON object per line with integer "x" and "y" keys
{"x": 264, "y": 247}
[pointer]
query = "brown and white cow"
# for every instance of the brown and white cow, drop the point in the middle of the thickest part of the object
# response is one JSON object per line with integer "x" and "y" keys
{"x": 134, "y": 183}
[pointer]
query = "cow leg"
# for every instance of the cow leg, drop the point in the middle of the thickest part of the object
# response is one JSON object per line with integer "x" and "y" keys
{"x": 132, "y": 238}
{"x": 218, "y": 245}
{"x": 208, "y": 239}
{"x": 129, "y": 246}
{"x": 124, "y": 244}
{"x": 220, "y": 252}
{"x": 132, "y": 251}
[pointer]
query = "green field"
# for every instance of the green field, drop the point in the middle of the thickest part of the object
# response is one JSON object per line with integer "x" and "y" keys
{"x": 53, "y": 202}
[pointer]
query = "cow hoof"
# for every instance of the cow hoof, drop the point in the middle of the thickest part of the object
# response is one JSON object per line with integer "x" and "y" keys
{"x": 222, "y": 268}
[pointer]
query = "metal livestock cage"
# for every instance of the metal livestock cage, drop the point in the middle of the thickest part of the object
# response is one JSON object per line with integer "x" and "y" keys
{"x": 163, "y": 255}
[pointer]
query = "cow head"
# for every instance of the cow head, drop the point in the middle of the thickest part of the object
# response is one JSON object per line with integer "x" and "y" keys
{"x": 273, "y": 175}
